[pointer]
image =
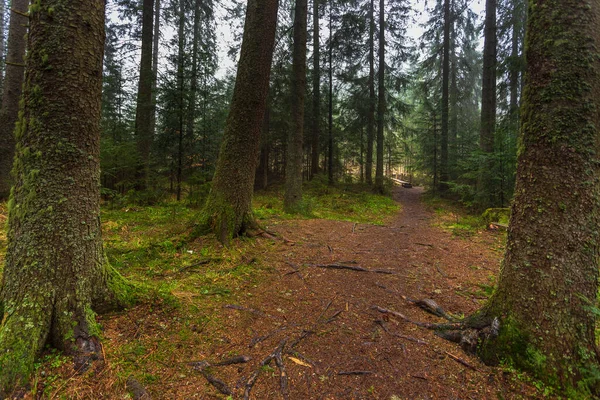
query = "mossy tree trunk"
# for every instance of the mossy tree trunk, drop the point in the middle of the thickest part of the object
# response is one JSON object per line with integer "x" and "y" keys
{"x": 293, "y": 167}
{"x": 13, "y": 82}
{"x": 380, "y": 100}
{"x": 228, "y": 207}
{"x": 549, "y": 277}
{"x": 55, "y": 272}
{"x": 145, "y": 109}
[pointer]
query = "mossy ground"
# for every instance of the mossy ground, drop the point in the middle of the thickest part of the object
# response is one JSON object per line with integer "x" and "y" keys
{"x": 185, "y": 284}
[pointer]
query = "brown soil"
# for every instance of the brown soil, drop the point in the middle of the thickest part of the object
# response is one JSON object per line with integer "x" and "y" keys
{"x": 336, "y": 346}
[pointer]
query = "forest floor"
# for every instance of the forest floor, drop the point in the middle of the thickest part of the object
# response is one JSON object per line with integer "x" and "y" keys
{"x": 293, "y": 325}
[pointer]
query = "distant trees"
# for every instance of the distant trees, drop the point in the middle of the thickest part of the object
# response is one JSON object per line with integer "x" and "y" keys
{"x": 11, "y": 94}
{"x": 56, "y": 276}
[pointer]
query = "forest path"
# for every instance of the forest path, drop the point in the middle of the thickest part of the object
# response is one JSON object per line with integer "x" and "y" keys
{"x": 335, "y": 346}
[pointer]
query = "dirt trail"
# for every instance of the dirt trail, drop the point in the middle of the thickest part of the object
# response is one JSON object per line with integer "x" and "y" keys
{"x": 335, "y": 346}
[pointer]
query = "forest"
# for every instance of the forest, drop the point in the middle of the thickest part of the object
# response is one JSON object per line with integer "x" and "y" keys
{"x": 265, "y": 199}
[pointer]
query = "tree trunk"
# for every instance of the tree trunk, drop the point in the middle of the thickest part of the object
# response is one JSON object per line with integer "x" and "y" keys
{"x": 191, "y": 114}
{"x": 155, "y": 44}
{"x": 381, "y": 99}
{"x": 180, "y": 87}
{"x": 228, "y": 207}
{"x": 293, "y": 173}
{"x": 330, "y": 151}
{"x": 316, "y": 132}
{"x": 55, "y": 272}
{"x": 443, "y": 182}
{"x": 144, "y": 109}
{"x": 453, "y": 104}
{"x": 488, "y": 107}
{"x": 11, "y": 95}
{"x": 371, "y": 83}
{"x": 2, "y": 49}
{"x": 549, "y": 279}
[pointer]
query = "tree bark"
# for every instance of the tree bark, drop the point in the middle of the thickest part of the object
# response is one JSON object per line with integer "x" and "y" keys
{"x": 330, "y": 147}
{"x": 549, "y": 278}
{"x": 293, "y": 173}
{"x": 228, "y": 208}
{"x": 191, "y": 114}
{"x": 181, "y": 89}
{"x": 443, "y": 182}
{"x": 371, "y": 83}
{"x": 155, "y": 46}
{"x": 316, "y": 128}
{"x": 144, "y": 109}
{"x": 380, "y": 100}
{"x": 488, "y": 107}
{"x": 11, "y": 95}
{"x": 56, "y": 273}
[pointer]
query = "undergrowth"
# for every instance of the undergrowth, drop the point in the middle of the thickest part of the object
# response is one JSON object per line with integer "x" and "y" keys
{"x": 343, "y": 202}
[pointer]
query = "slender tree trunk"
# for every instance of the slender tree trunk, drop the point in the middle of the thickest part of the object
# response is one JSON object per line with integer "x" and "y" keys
{"x": 444, "y": 176}
{"x": 549, "y": 280}
{"x": 381, "y": 100}
{"x": 453, "y": 100}
{"x": 191, "y": 112}
{"x": 11, "y": 94}
{"x": 316, "y": 128}
{"x": 181, "y": 88}
{"x": 144, "y": 109}
{"x": 228, "y": 208}
{"x": 56, "y": 273}
{"x": 371, "y": 83}
{"x": 2, "y": 49}
{"x": 488, "y": 107}
{"x": 293, "y": 174}
{"x": 330, "y": 157}
{"x": 155, "y": 46}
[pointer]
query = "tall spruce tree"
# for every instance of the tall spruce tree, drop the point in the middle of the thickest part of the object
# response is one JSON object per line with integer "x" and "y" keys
{"x": 541, "y": 313}
{"x": 55, "y": 275}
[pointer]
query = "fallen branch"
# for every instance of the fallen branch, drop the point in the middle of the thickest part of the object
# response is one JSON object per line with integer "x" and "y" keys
{"x": 355, "y": 373}
{"x": 273, "y": 356}
{"x": 217, "y": 383}
{"x": 398, "y": 335}
{"x": 460, "y": 360}
{"x": 424, "y": 244}
{"x": 197, "y": 264}
{"x": 352, "y": 268}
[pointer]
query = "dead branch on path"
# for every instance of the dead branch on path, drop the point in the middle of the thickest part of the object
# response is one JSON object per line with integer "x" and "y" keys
{"x": 398, "y": 335}
{"x": 352, "y": 268}
{"x": 461, "y": 361}
{"x": 275, "y": 355}
{"x": 217, "y": 383}
{"x": 355, "y": 373}
{"x": 250, "y": 310}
